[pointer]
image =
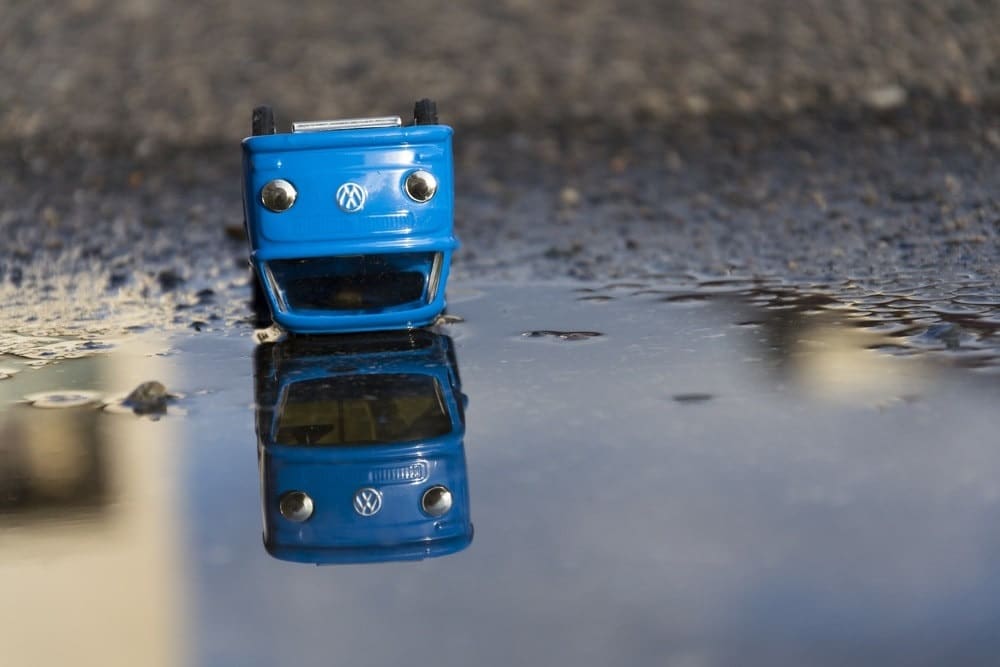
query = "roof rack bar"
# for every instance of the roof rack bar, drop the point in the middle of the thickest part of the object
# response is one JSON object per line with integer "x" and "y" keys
{"x": 346, "y": 124}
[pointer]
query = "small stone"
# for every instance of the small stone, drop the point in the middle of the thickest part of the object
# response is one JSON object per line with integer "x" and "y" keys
{"x": 445, "y": 318}
{"x": 169, "y": 279}
{"x": 886, "y": 98}
{"x": 236, "y": 232}
{"x": 869, "y": 195}
{"x": 619, "y": 164}
{"x": 819, "y": 200}
{"x": 50, "y": 216}
{"x": 149, "y": 398}
{"x": 570, "y": 196}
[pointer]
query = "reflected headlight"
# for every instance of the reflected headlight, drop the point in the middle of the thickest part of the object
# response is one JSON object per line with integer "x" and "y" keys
{"x": 436, "y": 501}
{"x": 296, "y": 506}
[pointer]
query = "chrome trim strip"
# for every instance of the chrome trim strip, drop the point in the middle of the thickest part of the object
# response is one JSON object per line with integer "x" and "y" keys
{"x": 435, "y": 277}
{"x": 346, "y": 124}
{"x": 272, "y": 284}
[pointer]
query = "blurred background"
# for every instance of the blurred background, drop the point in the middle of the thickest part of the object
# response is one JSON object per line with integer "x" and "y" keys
{"x": 189, "y": 72}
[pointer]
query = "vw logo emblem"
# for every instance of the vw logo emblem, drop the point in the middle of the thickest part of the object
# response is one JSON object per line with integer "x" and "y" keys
{"x": 351, "y": 197}
{"x": 367, "y": 501}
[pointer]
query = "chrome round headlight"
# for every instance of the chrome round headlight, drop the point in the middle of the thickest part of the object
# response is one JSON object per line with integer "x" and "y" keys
{"x": 421, "y": 186}
{"x": 296, "y": 506}
{"x": 436, "y": 501}
{"x": 278, "y": 195}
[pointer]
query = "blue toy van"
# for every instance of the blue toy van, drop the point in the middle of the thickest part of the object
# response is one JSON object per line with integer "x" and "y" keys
{"x": 360, "y": 448}
{"x": 350, "y": 222}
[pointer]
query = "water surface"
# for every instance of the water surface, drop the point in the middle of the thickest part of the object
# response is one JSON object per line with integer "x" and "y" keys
{"x": 734, "y": 474}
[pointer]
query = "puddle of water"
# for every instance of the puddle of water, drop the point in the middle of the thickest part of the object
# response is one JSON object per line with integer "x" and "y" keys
{"x": 769, "y": 477}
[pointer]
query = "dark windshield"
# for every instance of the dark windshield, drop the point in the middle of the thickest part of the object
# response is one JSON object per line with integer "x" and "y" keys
{"x": 360, "y": 284}
{"x": 362, "y": 409}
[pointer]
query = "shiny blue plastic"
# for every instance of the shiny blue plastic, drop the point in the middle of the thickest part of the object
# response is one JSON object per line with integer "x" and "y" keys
{"x": 390, "y": 223}
{"x": 303, "y": 450}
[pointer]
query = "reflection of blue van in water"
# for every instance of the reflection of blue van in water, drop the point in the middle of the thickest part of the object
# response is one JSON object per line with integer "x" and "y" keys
{"x": 360, "y": 448}
{"x": 350, "y": 222}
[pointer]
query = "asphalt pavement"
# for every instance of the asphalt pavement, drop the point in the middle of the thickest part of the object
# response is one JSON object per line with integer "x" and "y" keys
{"x": 809, "y": 141}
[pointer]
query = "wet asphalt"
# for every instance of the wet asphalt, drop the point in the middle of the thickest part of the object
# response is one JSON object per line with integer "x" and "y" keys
{"x": 806, "y": 141}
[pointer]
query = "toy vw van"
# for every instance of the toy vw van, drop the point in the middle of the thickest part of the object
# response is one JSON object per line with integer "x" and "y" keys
{"x": 350, "y": 221}
{"x": 360, "y": 448}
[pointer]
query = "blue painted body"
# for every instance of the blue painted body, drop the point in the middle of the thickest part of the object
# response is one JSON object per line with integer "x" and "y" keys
{"x": 390, "y": 223}
{"x": 332, "y": 473}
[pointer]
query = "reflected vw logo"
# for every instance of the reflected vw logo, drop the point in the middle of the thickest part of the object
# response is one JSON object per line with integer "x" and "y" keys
{"x": 351, "y": 197}
{"x": 367, "y": 501}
